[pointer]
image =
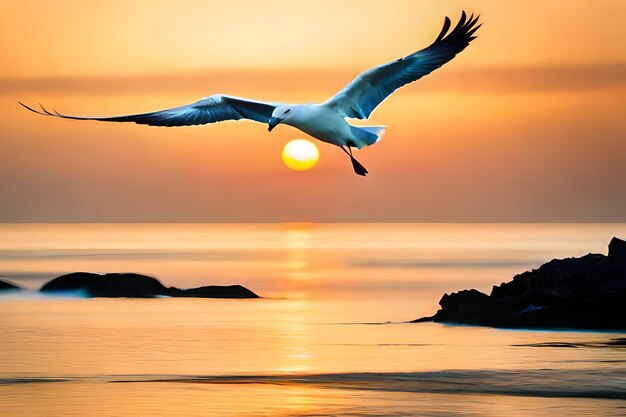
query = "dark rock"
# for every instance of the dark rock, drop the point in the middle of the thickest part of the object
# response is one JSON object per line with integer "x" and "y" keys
{"x": 136, "y": 286}
{"x": 8, "y": 286}
{"x": 459, "y": 300}
{"x": 424, "y": 319}
{"x": 107, "y": 285}
{"x": 214, "y": 291}
{"x": 581, "y": 293}
{"x": 617, "y": 247}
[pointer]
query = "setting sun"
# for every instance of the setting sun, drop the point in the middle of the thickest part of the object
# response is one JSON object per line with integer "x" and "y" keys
{"x": 300, "y": 154}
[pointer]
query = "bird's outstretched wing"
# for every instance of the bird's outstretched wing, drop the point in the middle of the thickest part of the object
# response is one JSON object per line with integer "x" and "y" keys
{"x": 359, "y": 98}
{"x": 211, "y": 109}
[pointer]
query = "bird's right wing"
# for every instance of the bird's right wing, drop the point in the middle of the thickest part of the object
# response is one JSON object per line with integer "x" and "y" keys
{"x": 215, "y": 108}
{"x": 359, "y": 98}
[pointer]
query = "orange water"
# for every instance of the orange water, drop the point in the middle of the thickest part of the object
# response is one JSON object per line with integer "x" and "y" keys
{"x": 324, "y": 286}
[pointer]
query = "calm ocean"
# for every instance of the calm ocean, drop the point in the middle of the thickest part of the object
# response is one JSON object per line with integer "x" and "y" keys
{"x": 327, "y": 339}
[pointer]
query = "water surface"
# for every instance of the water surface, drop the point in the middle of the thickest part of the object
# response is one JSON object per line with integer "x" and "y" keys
{"x": 317, "y": 344}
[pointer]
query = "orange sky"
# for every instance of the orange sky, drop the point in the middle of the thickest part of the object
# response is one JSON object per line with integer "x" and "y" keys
{"x": 527, "y": 124}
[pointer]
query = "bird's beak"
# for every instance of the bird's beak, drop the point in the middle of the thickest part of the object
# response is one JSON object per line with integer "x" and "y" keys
{"x": 274, "y": 121}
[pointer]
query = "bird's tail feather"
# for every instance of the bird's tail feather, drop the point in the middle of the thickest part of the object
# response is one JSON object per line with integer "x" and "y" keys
{"x": 367, "y": 135}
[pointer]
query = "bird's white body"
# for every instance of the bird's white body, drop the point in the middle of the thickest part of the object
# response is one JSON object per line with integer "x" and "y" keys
{"x": 320, "y": 122}
{"x": 325, "y": 123}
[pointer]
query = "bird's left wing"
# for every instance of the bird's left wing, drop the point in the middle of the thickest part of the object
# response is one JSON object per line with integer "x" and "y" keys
{"x": 211, "y": 109}
{"x": 359, "y": 98}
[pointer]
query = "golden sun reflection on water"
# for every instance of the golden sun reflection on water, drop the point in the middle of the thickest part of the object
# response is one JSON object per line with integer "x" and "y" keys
{"x": 298, "y": 246}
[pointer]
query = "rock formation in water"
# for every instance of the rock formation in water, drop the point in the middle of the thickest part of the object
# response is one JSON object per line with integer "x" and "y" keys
{"x": 136, "y": 286}
{"x": 8, "y": 286}
{"x": 214, "y": 291}
{"x": 579, "y": 293}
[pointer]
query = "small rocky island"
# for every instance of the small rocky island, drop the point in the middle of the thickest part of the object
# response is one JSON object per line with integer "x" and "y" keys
{"x": 8, "y": 286}
{"x": 132, "y": 286}
{"x": 576, "y": 293}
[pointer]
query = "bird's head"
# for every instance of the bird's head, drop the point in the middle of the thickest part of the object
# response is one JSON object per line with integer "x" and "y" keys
{"x": 279, "y": 115}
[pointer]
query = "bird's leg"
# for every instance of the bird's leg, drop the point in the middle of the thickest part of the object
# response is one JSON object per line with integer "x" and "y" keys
{"x": 358, "y": 168}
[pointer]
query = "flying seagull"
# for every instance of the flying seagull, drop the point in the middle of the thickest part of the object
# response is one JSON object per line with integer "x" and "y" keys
{"x": 324, "y": 121}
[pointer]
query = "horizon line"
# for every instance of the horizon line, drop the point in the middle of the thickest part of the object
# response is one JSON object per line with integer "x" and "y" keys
{"x": 529, "y": 78}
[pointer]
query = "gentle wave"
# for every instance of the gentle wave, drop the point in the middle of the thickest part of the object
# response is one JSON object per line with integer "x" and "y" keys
{"x": 615, "y": 343}
{"x": 587, "y": 383}
{"x": 590, "y": 383}
{"x": 17, "y": 381}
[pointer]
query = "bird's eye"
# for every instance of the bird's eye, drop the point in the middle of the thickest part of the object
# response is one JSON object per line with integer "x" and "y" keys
{"x": 287, "y": 111}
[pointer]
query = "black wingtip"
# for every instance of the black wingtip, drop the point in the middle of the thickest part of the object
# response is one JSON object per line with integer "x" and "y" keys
{"x": 471, "y": 32}
{"x": 463, "y": 19}
{"x": 459, "y": 25}
{"x": 31, "y": 109}
{"x": 444, "y": 30}
{"x": 473, "y": 21}
{"x": 464, "y": 29}
{"x": 45, "y": 110}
